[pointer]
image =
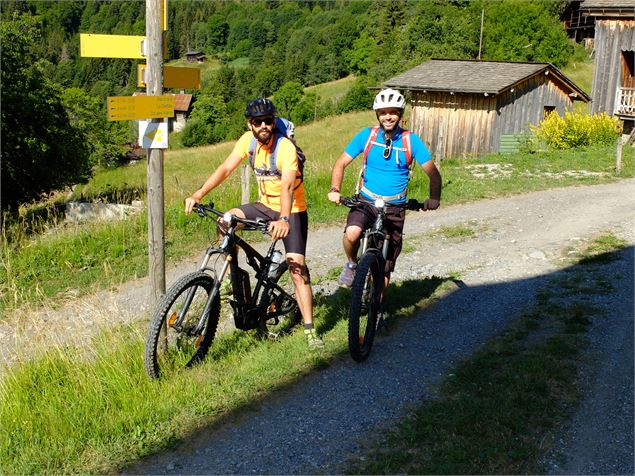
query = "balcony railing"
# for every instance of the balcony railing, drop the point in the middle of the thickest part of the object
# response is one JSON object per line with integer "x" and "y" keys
{"x": 625, "y": 102}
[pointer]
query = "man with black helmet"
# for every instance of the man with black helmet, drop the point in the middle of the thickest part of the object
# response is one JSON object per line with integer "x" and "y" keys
{"x": 281, "y": 201}
{"x": 389, "y": 153}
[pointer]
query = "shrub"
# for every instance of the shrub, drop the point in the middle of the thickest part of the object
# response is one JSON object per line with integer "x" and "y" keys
{"x": 577, "y": 130}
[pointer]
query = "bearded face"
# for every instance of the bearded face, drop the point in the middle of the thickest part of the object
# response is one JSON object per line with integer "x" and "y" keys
{"x": 262, "y": 128}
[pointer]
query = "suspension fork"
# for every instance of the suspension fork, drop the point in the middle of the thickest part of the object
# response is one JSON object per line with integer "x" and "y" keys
{"x": 212, "y": 295}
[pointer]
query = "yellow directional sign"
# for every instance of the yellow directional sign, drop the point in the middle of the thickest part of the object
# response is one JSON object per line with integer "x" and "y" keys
{"x": 111, "y": 46}
{"x": 114, "y": 46}
{"x": 173, "y": 77}
{"x": 129, "y": 108}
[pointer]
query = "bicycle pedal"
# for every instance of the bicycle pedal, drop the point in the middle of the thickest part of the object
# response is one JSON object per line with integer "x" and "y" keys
{"x": 172, "y": 320}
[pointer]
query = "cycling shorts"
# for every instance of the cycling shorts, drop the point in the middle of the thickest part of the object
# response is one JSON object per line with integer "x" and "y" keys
{"x": 295, "y": 241}
{"x": 363, "y": 216}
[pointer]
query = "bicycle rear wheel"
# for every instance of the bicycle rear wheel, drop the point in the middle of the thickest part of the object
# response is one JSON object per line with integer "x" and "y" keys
{"x": 282, "y": 313}
{"x": 174, "y": 344}
{"x": 365, "y": 301}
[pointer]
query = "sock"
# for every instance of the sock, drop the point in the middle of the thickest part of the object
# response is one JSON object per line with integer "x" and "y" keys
{"x": 308, "y": 326}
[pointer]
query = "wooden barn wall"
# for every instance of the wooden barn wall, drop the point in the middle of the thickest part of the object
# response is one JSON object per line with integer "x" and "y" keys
{"x": 526, "y": 105}
{"x": 611, "y": 38}
{"x": 453, "y": 125}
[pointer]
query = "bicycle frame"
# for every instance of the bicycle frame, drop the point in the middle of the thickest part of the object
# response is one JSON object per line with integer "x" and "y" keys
{"x": 375, "y": 236}
{"x": 246, "y": 308}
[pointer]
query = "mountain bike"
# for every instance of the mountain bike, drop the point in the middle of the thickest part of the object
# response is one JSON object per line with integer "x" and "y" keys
{"x": 185, "y": 320}
{"x": 368, "y": 284}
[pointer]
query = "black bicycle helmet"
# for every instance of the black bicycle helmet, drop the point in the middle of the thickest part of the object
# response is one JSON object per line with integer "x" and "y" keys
{"x": 260, "y": 107}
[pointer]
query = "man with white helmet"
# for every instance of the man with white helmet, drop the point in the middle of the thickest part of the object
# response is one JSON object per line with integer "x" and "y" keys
{"x": 388, "y": 151}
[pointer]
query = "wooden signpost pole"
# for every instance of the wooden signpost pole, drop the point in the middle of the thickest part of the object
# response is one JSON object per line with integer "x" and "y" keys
{"x": 154, "y": 84}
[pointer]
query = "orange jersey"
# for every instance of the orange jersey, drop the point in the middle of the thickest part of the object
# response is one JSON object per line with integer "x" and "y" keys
{"x": 269, "y": 187}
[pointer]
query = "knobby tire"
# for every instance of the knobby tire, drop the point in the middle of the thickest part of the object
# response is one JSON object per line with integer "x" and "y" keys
{"x": 364, "y": 307}
{"x": 167, "y": 353}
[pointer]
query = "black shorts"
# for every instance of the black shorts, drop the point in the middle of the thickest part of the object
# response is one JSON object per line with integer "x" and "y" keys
{"x": 295, "y": 241}
{"x": 364, "y": 216}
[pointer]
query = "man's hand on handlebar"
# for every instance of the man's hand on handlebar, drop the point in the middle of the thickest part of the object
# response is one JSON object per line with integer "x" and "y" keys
{"x": 279, "y": 229}
{"x": 189, "y": 204}
{"x": 427, "y": 204}
{"x": 431, "y": 204}
{"x": 334, "y": 197}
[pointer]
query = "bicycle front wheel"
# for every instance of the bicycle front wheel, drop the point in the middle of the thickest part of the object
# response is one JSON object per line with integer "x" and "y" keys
{"x": 365, "y": 301}
{"x": 180, "y": 334}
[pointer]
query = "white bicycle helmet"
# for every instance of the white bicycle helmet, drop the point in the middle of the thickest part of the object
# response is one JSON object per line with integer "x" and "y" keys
{"x": 389, "y": 98}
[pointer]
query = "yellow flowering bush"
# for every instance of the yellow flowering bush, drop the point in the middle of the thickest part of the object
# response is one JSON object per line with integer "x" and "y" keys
{"x": 576, "y": 130}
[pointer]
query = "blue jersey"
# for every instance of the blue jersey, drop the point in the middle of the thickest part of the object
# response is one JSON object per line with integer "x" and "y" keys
{"x": 387, "y": 177}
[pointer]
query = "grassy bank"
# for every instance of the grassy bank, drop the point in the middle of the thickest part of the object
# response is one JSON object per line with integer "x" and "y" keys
{"x": 69, "y": 412}
{"x": 44, "y": 267}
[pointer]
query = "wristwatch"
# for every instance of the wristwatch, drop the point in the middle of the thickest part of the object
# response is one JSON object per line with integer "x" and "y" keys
{"x": 284, "y": 219}
{"x": 334, "y": 189}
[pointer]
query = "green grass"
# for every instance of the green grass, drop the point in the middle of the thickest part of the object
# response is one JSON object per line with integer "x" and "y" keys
{"x": 580, "y": 71}
{"x": 333, "y": 90}
{"x": 495, "y": 413}
{"x": 69, "y": 411}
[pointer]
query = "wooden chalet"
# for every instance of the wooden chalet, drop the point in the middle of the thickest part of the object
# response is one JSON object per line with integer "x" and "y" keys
{"x": 466, "y": 106}
{"x": 613, "y": 88}
{"x": 182, "y": 109}
{"x": 578, "y": 26}
{"x": 195, "y": 57}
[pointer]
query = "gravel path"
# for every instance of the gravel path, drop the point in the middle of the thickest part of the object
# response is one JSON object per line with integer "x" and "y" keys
{"x": 314, "y": 425}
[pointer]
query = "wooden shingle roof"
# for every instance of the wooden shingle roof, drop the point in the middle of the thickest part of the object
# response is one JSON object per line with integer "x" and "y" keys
{"x": 609, "y": 8}
{"x": 182, "y": 102}
{"x": 608, "y": 4}
{"x": 476, "y": 77}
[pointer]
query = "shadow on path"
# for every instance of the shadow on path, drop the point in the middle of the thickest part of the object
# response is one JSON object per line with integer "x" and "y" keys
{"x": 315, "y": 423}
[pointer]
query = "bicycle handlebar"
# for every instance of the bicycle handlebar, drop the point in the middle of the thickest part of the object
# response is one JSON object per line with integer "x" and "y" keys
{"x": 254, "y": 225}
{"x": 351, "y": 202}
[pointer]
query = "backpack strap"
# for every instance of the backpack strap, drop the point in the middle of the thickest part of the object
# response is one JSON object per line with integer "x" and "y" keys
{"x": 374, "y": 132}
{"x": 273, "y": 154}
{"x": 405, "y": 141}
{"x": 273, "y": 158}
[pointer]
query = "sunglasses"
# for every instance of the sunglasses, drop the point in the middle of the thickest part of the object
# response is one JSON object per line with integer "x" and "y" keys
{"x": 388, "y": 149}
{"x": 266, "y": 120}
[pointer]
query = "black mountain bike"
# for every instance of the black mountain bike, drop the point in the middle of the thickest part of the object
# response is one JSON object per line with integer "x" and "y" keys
{"x": 184, "y": 323}
{"x": 368, "y": 284}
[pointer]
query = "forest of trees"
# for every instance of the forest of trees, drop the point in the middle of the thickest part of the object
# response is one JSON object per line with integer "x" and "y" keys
{"x": 54, "y": 128}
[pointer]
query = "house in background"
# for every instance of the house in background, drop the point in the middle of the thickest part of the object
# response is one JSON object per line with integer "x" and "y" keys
{"x": 182, "y": 106}
{"x": 195, "y": 57}
{"x": 578, "y": 26}
{"x": 613, "y": 88}
{"x": 467, "y": 107}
